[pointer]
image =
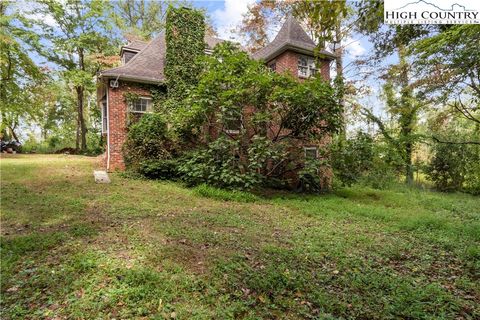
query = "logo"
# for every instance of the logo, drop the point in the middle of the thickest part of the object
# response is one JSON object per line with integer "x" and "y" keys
{"x": 432, "y": 12}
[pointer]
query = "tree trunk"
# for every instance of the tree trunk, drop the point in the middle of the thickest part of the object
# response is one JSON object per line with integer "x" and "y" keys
{"x": 338, "y": 50}
{"x": 81, "y": 128}
{"x": 408, "y": 163}
{"x": 12, "y": 131}
{"x": 407, "y": 118}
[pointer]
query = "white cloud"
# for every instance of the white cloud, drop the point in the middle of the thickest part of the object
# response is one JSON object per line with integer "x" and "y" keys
{"x": 353, "y": 47}
{"x": 229, "y": 17}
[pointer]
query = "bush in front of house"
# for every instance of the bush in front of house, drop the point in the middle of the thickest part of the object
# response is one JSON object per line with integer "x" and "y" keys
{"x": 147, "y": 139}
{"x": 161, "y": 169}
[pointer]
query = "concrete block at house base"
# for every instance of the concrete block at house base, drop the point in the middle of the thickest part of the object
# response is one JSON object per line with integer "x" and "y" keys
{"x": 101, "y": 177}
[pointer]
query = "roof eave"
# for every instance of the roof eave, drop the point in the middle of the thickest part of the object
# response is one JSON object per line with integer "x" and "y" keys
{"x": 285, "y": 47}
{"x": 129, "y": 49}
{"x": 146, "y": 80}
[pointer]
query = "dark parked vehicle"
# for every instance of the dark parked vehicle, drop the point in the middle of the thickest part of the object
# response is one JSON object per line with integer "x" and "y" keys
{"x": 10, "y": 146}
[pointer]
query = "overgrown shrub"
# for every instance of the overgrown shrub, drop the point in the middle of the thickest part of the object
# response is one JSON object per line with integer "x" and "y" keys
{"x": 162, "y": 169}
{"x": 352, "y": 158}
{"x": 218, "y": 165}
{"x": 455, "y": 167}
{"x": 272, "y": 114}
{"x": 309, "y": 179}
{"x": 362, "y": 160}
{"x": 147, "y": 139}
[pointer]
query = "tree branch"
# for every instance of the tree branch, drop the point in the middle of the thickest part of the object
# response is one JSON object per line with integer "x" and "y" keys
{"x": 455, "y": 142}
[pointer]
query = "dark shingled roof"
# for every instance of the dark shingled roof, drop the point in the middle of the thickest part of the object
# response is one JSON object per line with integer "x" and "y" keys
{"x": 145, "y": 66}
{"x": 135, "y": 45}
{"x": 148, "y": 64}
{"x": 291, "y": 36}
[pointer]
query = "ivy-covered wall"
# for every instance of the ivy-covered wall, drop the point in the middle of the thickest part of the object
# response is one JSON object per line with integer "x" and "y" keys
{"x": 185, "y": 32}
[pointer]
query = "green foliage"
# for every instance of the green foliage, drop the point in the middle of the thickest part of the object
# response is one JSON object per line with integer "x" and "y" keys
{"x": 141, "y": 18}
{"x": 307, "y": 108}
{"x": 353, "y": 158}
{"x": 455, "y": 167}
{"x": 309, "y": 179}
{"x": 79, "y": 42}
{"x": 460, "y": 67}
{"x": 162, "y": 169}
{"x": 185, "y": 32}
{"x": 207, "y": 191}
{"x": 219, "y": 165}
{"x": 147, "y": 139}
{"x": 282, "y": 112}
{"x": 21, "y": 79}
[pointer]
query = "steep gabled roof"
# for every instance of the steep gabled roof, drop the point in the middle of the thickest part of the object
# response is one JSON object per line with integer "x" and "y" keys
{"x": 148, "y": 64}
{"x": 291, "y": 36}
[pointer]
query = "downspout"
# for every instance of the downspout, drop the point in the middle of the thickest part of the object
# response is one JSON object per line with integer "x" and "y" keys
{"x": 108, "y": 128}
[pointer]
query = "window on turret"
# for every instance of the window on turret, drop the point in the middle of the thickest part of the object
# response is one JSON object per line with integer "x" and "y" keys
{"x": 306, "y": 66}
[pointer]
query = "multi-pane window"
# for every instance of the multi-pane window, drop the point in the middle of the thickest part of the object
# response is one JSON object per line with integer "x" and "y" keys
{"x": 311, "y": 153}
{"x": 141, "y": 105}
{"x": 306, "y": 66}
{"x": 104, "y": 117}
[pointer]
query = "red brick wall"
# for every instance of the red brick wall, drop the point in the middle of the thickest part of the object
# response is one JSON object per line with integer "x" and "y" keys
{"x": 288, "y": 61}
{"x": 117, "y": 121}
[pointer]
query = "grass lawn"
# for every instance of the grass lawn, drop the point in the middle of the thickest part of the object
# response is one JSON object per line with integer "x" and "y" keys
{"x": 73, "y": 249}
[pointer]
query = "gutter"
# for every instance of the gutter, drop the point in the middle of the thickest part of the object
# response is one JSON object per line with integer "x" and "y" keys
{"x": 108, "y": 130}
{"x": 129, "y": 78}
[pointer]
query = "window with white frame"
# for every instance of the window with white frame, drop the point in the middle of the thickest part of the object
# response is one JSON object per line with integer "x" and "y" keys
{"x": 306, "y": 66}
{"x": 104, "y": 117}
{"x": 141, "y": 105}
{"x": 311, "y": 153}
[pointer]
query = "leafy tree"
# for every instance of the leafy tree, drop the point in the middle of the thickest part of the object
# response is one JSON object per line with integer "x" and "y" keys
{"x": 404, "y": 106}
{"x": 141, "y": 18}
{"x": 21, "y": 79}
{"x": 448, "y": 65}
{"x": 256, "y": 114}
{"x": 79, "y": 42}
{"x": 386, "y": 39}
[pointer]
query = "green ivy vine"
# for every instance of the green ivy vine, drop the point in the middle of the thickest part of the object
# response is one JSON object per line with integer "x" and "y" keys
{"x": 185, "y": 32}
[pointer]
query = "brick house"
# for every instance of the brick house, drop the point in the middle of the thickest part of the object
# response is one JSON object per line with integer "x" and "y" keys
{"x": 142, "y": 68}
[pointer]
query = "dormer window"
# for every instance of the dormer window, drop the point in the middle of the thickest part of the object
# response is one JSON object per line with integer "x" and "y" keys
{"x": 306, "y": 66}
